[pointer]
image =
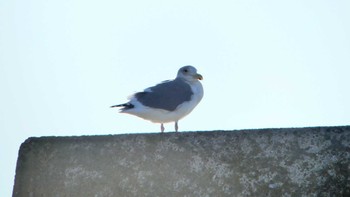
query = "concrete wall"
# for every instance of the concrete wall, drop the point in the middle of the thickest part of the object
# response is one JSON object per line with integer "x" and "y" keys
{"x": 266, "y": 162}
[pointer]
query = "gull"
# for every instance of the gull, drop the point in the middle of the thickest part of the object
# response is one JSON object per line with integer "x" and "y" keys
{"x": 168, "y": 101}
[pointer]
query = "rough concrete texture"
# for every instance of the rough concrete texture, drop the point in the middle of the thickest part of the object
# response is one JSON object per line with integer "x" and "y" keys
{"x": 267, "y": 162}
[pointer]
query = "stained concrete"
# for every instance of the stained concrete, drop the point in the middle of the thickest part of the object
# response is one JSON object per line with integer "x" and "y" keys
{"x": 265, "y": 162}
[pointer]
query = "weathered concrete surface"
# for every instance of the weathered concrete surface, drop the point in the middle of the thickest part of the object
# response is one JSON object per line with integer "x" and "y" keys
{"x": 267, "y": 162}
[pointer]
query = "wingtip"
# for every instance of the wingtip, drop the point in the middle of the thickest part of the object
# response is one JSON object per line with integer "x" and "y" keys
{"x": 125, "y": 106}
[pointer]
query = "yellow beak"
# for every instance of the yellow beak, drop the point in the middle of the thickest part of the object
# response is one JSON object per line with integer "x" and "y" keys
{"x": 198, "y": 76}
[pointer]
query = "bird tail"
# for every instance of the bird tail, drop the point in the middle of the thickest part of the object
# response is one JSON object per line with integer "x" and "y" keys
{"x": 125, "y": 106}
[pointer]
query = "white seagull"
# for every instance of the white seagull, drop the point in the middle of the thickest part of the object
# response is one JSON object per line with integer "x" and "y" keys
{"x": 168, "y": 101}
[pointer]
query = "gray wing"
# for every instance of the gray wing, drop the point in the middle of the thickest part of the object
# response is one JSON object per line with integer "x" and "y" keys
{"x": 167, "y": 95}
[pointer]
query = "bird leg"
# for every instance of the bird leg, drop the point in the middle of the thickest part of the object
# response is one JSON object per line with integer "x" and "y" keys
{"x": 162, "y": 127}
{"x": 176, "y": 126}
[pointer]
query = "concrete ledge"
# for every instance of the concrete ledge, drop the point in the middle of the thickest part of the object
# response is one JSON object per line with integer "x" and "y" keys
{"x": 266, "y": 162}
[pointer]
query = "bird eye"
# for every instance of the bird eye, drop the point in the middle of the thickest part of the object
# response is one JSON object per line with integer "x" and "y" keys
{"x": 185, "y": 70}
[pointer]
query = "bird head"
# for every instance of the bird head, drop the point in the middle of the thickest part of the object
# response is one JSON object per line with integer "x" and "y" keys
{"x": 189, "y": 73}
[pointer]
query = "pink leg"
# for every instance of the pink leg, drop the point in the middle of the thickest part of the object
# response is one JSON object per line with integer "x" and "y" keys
{"x": 162, "y": 127}
{"x": 176, "y": 127}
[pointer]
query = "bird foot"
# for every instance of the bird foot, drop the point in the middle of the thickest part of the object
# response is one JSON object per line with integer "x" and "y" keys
{"x": 176, "y": 127}
{"x": 162, "y": 128}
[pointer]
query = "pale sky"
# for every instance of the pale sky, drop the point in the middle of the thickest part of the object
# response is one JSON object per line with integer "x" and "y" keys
{"x": 266, "y": 64}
